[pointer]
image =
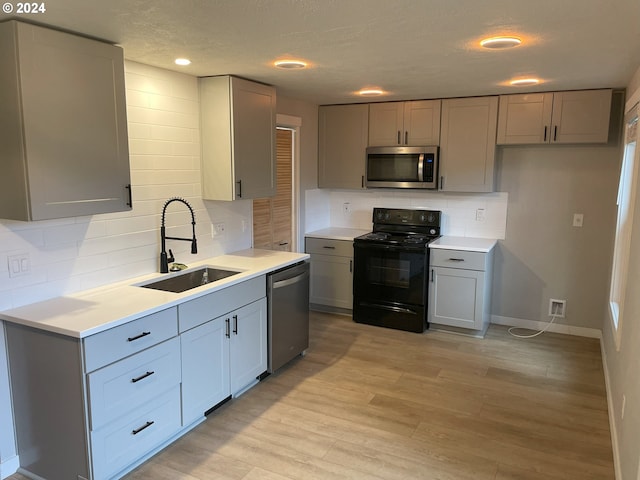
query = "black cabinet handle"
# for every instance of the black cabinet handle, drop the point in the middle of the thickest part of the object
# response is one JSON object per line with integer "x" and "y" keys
{"x": 328, "y": 247}
{"x": 239, "y": 194}
{"x": 441, "y": 182}
{"x": 235, "y": 324}
{"x": 228, "y": 329}
{"x": 138, "y": 337}
{"x": 362, "y": 181}
{"x": 138, "y": 430}
{"x": 456, "y": 259}
{"x": 555, "y": 133}
{"x": 130, "y": 202}
{"x": 406, "y": 137}
{"x": 398, "y": 137}
{"x": 544, "y": 139}
{"x": 350, "y": 266}
{"x": 432, "y": 276}
{"x": 142, "y": 377}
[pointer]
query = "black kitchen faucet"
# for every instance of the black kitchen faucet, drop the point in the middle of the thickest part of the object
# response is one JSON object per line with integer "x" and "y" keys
{"x": 164, "y": 258}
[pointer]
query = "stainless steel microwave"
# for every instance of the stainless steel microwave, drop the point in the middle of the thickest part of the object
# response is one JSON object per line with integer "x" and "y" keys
{"x": 402, "y": 167}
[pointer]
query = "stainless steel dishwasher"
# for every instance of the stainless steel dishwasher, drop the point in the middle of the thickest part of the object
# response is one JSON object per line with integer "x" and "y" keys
{"x": 288, "y": 317}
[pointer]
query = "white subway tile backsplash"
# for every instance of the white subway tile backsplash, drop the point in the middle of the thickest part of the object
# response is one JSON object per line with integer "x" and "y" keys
{"x": 458, "y": 210}
{"x": 72, "y": 254}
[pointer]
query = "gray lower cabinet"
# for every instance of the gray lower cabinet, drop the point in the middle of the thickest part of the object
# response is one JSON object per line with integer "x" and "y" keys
{"x": 331, "y": 282}
{"x": 460, "y": 289}
{"x": 224, "y": 345}
{"x": 117, "y": 396}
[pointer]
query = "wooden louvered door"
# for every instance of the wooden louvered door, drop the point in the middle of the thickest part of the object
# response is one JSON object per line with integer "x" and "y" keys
{"x": 272, "y": 216}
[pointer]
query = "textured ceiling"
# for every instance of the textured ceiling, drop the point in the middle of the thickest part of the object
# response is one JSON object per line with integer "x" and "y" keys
{"x": 410, "y": 48}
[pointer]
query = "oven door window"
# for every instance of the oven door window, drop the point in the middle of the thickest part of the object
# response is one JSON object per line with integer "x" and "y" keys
{"x": 389, "y": 275}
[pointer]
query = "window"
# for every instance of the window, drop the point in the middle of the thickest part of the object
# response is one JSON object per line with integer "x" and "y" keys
{"x": 626, "y": 201}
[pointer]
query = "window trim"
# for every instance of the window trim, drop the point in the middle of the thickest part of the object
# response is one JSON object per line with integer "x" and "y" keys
{"x": 622, "y": 243}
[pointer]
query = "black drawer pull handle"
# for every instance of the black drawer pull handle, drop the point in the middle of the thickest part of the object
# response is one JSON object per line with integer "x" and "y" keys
{"x": 138, "y": 430}
{"x": 142, "y": 377}
{"x": 456, "y": 259}
{"x": 329, "y": 248}
{"x": 137, "y": 337}
{"x": 235, "y": 324}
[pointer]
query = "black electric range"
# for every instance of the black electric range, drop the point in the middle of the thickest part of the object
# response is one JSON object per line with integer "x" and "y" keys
{"x": 390, "y": 269}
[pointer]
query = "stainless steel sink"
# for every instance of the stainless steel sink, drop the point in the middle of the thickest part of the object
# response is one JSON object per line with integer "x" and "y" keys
{"x": 187, "y": 281}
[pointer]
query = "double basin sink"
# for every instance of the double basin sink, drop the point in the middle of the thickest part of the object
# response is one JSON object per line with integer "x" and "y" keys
{"x": 188, "y": 280}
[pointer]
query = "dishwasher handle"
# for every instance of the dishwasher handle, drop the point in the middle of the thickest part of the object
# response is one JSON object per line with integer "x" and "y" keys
{"x": 290, "y": 281}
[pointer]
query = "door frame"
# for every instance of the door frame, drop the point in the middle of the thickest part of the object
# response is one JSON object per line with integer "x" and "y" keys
{"x": 294, "y": 123}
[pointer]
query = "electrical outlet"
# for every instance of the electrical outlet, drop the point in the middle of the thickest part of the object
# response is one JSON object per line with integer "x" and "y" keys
{"x": 578, "y": 219}
{"x": 346, "y": 208}
{"x": 557, "y": 307}
{"x": 480, "y": 215}
{"x": 217, "y": 230}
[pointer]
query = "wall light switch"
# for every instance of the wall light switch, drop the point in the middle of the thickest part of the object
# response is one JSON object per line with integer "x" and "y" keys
{"x": 578, "y": 218}
{"x": 480, "y": 215}
{"x": 19, "y": 264}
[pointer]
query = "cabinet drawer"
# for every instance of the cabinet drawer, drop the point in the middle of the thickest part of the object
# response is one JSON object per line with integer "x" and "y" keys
{"x": 323, "y": 246}
{"x": 132, "y": 382}
{"x": 111, "y": 345}
{"x": 458, "y": 259}
{"x": 200, "y": 310}
{"x": 124, "y": 441}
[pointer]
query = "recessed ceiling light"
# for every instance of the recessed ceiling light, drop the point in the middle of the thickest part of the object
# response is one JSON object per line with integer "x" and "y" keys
{"x": 182, "y": 61}
{"x": 524, "y": 82}
{"x": 370, "y": 92}
{"x": 496, "y": 43}
{"x": 290, "y": 64}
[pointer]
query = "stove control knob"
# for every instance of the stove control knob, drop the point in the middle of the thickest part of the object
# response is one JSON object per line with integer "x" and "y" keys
{"x": 432, "y": 231}
{"x": 432, "y": 217}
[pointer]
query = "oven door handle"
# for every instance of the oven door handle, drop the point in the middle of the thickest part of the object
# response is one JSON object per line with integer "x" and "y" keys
{"x": 389, "y": 307}
{"x": 399, "y": 248}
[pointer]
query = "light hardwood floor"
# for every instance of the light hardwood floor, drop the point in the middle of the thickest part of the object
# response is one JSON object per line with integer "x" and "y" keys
{"x": 373, "y": 403}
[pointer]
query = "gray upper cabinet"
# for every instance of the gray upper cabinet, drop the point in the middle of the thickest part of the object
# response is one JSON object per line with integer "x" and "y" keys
{"x": 560, "y": 117}
{"x": 404, "y": 123}
{"x": 468, "y": 144}
{"x": 342, "y": 145}
{"x": 238, "y": 131}
{"x": 63, "y": 130}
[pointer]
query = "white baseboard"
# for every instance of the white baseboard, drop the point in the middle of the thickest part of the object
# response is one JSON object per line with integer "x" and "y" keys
{"x": 9, "y": 466}
{"x": 555, "y": 327}
{"x": 612, "y": 422}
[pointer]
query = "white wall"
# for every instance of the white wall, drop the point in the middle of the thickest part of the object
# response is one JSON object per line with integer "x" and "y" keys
{"x": 75, "y": 254}
{"x": 623, "y": 365}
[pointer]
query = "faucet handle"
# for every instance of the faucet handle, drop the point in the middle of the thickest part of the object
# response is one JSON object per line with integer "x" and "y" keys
{"x": 171, "y": 258}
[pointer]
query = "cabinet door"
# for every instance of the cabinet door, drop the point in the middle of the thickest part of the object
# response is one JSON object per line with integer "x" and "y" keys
{"x": 456, "y": 297}
{"x": 422, "y": 122}
{"x": 331, "y": 281}
{"x": 74, "y": 123}
{"x": 525, "y": 119}
{"x": 254, "y": 139}
{"x": 205, "y": 368}
{"x": 248, "y": 344}
{"x": 342, "y": 145}
{"x": 386, "y": 124}
{"x": 581, "y": 116}
{"x": 468, "y": 143}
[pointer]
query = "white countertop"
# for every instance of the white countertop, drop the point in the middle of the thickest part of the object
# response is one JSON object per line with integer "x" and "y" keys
{"x": 469, "y": 244}
{"x": 337, "y": 233}
{"x": 86, "y": 313}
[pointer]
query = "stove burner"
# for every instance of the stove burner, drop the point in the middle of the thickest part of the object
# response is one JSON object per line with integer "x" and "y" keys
{"x": 415, "y": 239}
{"x": 377, "y": 236}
